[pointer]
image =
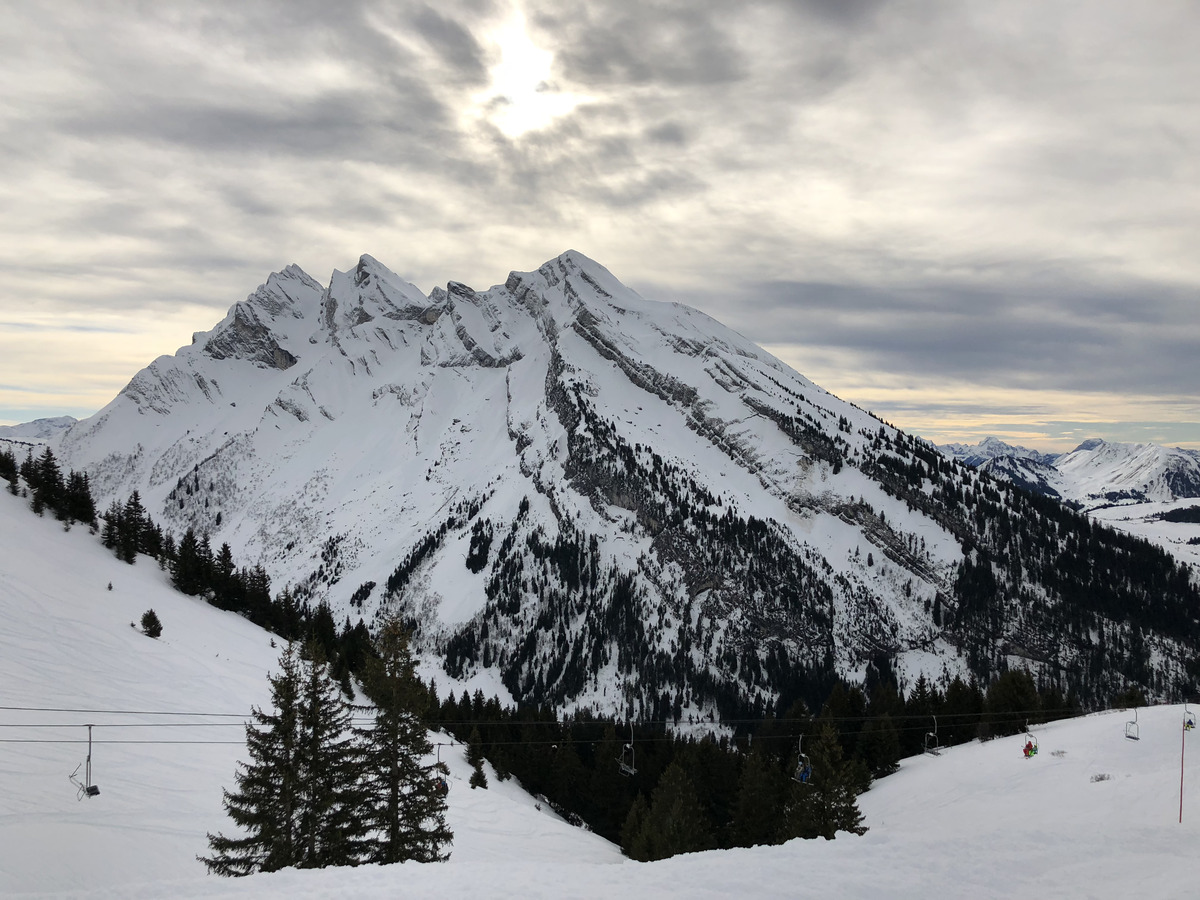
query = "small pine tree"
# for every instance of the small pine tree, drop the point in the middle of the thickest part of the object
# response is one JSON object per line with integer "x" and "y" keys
{"x": 151, "y": 626}
{"x": 475, "y": 758}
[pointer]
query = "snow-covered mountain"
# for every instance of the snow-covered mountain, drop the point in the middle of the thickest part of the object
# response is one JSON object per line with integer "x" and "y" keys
{"x": 21, "y": 439}
{"x": 1136, "y": 488}
{"x": 1097, "y": 470}
{"x": 992, "y": 448}
{"x": 1095, "y": 473}
{"x": 608, "y": 501}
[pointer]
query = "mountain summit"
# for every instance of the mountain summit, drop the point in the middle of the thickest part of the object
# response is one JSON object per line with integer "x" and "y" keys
{"x": 606, "y": 501}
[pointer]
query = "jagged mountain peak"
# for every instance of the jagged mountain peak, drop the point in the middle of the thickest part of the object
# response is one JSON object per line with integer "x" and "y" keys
{"x": 594, "y": 498}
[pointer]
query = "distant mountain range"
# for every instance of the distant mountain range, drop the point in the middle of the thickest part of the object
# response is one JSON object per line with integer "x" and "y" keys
{"x": 39, "y": 431}
{"x": 1094, "y": 474}
{"x": 591, "y": 499}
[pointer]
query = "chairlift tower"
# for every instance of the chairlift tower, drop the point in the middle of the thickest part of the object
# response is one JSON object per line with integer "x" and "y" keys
{"x": 86, "y": 788}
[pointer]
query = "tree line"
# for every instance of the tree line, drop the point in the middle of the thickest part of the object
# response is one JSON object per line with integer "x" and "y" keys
{"x": 195, "y": 568}
{"x": 686, "y": 793}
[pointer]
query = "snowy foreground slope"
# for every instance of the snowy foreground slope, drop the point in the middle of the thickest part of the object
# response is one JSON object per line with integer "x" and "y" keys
{"x": 980, "y": 821}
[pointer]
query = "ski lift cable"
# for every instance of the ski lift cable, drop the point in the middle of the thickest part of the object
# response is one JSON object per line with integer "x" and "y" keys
{"x": 497, "y": 725}
{"x": 98, "y": 741}
{"x": 1014, "y": 714}
{"x": 1007, "y": 717}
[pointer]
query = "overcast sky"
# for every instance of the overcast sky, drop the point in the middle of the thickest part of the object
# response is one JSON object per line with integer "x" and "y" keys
{"x": 972, "y": 219}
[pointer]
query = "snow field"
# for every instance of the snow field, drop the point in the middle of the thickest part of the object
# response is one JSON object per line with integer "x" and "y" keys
{"x": 978, "y": 821}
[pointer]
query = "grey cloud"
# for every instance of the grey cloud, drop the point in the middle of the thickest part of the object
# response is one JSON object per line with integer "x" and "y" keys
{"x": 980, "y": 191}
{"x": 642, "y": 43}
{"x": 1021, "y": 337}
{"x": 452, "y": 38}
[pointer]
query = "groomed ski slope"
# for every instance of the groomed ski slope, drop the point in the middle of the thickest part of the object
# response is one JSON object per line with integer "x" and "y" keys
{"x": 979, "y": 821}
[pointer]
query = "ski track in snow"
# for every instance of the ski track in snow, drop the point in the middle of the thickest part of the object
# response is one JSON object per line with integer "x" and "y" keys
{"x": 979, "y": 821}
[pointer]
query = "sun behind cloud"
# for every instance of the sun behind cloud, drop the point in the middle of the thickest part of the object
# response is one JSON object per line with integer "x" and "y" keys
{"x": 521, "y": 96}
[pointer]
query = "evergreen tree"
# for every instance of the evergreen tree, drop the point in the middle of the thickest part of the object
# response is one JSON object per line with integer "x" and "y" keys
{"x": 77, "y": 501}
{"x": 299, "y": 801}
{"x": 879, "y": 745}
{"x": 333, "y": 828}
{"x": 475, "y": 758}
{"x": 151, "y": 626}
{"x": 188, "y": 572}
{"x": 407, "y": 805}
{"x": 826, "y": 804}
{"x": 8, "y": 466}
{"x": 1012, "y": 699}
{"x": 759, "y": 806}
{"x": 223, "y": 579}
{"x": 633, "y": 835}
{"x": 133, "y": 522}
{"x": 675, "y": 822}
{"x": 110, "y": 533}
{"x": 268, "y": 797}
{"x": 47, "y": 483}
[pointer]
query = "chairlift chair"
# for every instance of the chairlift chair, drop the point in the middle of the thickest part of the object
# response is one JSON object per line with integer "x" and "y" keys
{"x": 1031, "y": 743}
{"x": 1131, "y": 727}
{"x": 625, "y": 761}
{"x": 803, "y": 765}
{"x": 932, "y": 747}
{"x": 85, "y": 787}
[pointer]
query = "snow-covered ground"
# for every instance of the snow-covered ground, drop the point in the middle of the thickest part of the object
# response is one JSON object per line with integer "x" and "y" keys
{"x": 1143, "y": 519}
{"x": 1093, "y": 815}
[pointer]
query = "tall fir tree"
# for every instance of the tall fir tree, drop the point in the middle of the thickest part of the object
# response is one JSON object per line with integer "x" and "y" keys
{"x": 333, "y": 828}
{"x": 759, "y": 805}
{"x": 407, "y": 807}
{"x": 299, "y": 800}
{"x": 47, "y": 484}
{"x": 189, "y": 572}
{"x": 133, "y": 522}
{"x": 266, "y": 804}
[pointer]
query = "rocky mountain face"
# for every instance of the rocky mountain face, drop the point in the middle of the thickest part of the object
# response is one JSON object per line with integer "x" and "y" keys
{"x": 603, "y": 501}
